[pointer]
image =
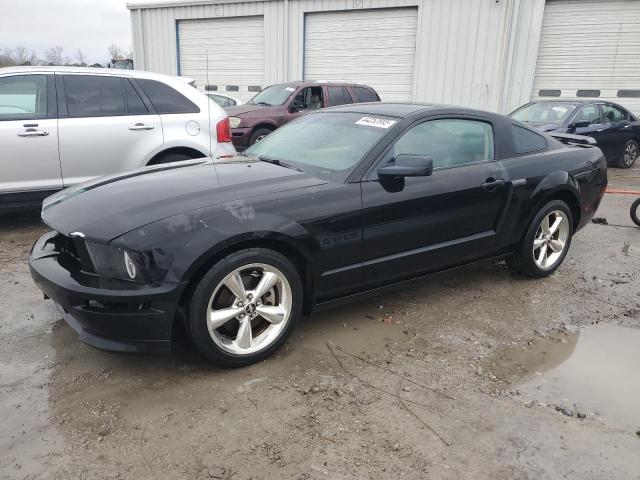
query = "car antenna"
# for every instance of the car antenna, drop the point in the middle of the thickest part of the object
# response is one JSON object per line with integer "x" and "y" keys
{"x": 213, "y": 160}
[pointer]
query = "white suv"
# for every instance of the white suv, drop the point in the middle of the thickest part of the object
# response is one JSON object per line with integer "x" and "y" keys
{"x": 60, "y": 126}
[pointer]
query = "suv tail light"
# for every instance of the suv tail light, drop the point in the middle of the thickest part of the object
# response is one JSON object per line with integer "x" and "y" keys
{"x": 223, "y": 131}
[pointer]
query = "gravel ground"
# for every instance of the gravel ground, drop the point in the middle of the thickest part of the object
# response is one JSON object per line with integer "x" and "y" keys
{"x": 420, "y": 383}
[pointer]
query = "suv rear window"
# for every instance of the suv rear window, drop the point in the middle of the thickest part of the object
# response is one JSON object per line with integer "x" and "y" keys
{"x": 338, "y": 96}
{"x": 364, "y": 94}
{"x": 135, "y": 105}
{"x": 94, "y": 96}
{"x": 165, "y": 99}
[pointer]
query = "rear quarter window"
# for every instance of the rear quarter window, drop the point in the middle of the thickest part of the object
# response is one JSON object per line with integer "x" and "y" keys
{"x": 526, "y": 141}
{"x": 364, "y": 95}
{"x": 165, "y": 99}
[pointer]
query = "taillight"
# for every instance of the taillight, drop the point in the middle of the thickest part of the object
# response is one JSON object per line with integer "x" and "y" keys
{"x": 223, "y": 131}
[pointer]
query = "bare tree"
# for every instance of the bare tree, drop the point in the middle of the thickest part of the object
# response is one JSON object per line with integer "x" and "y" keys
{"x": 21, "y": 55}
{"x": 55, "y": 56}
{"x": 6, "y": 58}
{"x": 80, "y": 58}
{"x": 115, "y": 52}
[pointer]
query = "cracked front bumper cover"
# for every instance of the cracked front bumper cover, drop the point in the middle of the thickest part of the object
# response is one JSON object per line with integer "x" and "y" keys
{"x": 107, "y": 314}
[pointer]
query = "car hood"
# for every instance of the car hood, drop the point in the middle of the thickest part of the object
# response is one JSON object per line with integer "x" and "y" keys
{"x": 109, "y": 207}
{"x": 240, "y": 110}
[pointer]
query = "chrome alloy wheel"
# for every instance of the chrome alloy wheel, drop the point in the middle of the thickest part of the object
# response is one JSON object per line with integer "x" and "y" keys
{"x": 630, "y": 153}
{"x": 551, "y": 239}
{"x": 249, "y": 309}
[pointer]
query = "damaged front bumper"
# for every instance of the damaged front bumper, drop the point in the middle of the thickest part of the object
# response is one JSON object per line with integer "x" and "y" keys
{"x": 108, "y": 314}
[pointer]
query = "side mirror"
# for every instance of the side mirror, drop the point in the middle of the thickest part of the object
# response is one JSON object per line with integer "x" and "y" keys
{"x": 408, "y": 166}
{"x": 583, "y": 124}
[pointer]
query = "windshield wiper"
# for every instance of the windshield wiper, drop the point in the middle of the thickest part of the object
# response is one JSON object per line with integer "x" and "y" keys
{"x": 280, "y": 163}
{"x": 263, "y": 103}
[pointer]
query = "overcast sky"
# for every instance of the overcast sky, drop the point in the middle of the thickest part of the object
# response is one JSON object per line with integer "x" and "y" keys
{"x": 90, "y": 25}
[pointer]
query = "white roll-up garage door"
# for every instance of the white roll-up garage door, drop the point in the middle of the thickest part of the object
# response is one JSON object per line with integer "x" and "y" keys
{"x": 589, "y": 47}
{"x": 235, "y": 50}
{"x": 374, "y": 47}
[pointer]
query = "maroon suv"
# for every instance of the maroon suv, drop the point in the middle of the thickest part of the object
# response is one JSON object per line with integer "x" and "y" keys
{"x": 277, "y": 104}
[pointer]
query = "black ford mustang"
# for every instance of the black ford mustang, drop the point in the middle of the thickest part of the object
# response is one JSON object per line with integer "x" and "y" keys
{"x": 334, "y": 205}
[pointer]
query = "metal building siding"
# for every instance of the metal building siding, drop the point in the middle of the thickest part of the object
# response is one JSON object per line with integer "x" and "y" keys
{"x": 474, "y": 52}
{"x": 375, "y": 47}
{"x": 590, "y": 45}
{"x": 477, "y": 53}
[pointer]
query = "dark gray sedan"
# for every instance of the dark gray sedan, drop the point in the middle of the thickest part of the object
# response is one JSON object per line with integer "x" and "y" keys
{"x": 615, "y": 129}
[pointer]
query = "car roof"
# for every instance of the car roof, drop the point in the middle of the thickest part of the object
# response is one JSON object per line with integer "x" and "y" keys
{"x": 310, "y": 83}
{"x": 574, "y": 101}
{"x": 406, "y": 109}
{"x": 88, "y": 70}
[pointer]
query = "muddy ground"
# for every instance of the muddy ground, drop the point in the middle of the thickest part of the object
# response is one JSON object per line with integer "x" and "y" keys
{"x": 445, "y": 380}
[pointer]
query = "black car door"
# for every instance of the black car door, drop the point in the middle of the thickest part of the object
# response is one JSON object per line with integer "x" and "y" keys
{"x": 588, "y": 121}
{"x": 615, "y": 133}
{"x": 419, "y": 224}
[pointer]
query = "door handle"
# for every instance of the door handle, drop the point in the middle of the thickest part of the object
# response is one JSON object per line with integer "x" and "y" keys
{"x": 491, "y": 184}
{"x": 141, "y": 126}
{"x": 32, "y": 132}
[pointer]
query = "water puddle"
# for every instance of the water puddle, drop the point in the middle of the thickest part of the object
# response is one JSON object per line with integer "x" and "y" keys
{"x": 592, "y": 373}
{"x": 350, "y": 329}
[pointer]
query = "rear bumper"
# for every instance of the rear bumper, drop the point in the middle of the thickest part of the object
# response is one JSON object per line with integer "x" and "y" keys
{"x": 241, "y": 137}
{"x": 107, "y": 314}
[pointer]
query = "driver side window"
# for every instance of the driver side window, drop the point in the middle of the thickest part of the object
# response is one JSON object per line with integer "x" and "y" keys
{"x": 589, "y": 113}
{"x": 310, "y": 98}
{"x": 449, "y": 142}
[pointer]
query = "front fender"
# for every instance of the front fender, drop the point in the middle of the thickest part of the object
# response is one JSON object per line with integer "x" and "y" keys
{"x": 189, "y": 240}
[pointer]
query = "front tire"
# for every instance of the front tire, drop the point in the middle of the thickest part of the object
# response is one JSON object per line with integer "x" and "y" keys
{"x": 258, "y": 135}
{"x": 546, "y": 242}
{"x": 245, "y": 307}
{"x": 630, "y": 153}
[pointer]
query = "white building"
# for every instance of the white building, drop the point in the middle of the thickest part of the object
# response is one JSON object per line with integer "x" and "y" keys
{"x": 489, "y": 54}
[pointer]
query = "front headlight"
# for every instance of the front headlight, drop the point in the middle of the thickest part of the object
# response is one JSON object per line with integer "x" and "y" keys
{"x": 115, "y": 262}
{"x": 235, "y": 122}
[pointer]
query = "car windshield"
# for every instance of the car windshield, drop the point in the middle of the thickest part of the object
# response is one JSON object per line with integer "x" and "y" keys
{"x": 553, "y": 113}
{"x": 273, "y": 95}
{"x": 328, "y": 145}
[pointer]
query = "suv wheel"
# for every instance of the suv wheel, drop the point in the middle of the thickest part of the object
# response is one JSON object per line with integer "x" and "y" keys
{"x": 245, "y": 307}
{"x": 259, "y": 134}
{"x": 546, "y": 242}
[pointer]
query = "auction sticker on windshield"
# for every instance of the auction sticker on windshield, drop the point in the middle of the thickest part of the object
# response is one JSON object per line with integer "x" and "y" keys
{"x": 376, "y": 122}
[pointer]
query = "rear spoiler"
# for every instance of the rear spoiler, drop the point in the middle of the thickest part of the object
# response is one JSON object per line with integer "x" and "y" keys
{"x": 570, "y": 139}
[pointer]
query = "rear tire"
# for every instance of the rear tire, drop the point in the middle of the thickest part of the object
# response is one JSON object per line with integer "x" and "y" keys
{"x": 630, "y": 153}
{"x": 259, "y": 134}
{"x": 245, "y": 307}
{"x": 546, "y": 242}
{"x": 635, "y": 212}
